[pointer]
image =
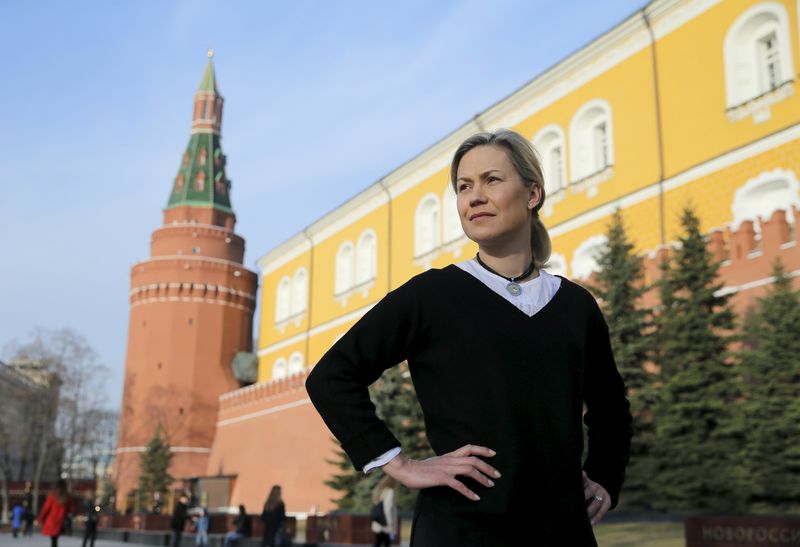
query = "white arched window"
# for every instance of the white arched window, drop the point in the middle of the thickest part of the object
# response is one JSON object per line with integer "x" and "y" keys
{"x": 299, "y": 291}
{"x": 557, "y": 265}
{"x": 452, "y": 222}
{"x": 279, "y": 369}
{"x": 549, "y": 143}
{"x": 584, "y": 260}
{"x": 591, "y": 140}
{"x": 761, "y": 196}
{"x": 427, "y": 225}
{"x": 283, "y": 298}
{"x": 758, "y": 53}
{"x": 295, "y": 362}
{"x": 366, "y": 257}
{"x": 344, "y": 268}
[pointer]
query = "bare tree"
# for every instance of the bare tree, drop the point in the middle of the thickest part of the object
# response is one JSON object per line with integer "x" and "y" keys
{"x": 64, "y": 423}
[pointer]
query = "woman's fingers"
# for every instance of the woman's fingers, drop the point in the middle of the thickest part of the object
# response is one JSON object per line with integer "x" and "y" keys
{"x": 478, "y": 464}
{"x": 472, "y": 450}
{"x": 598, "y": 498}
{"x": 471, "y": 472}
{"x": 459, "y": 486}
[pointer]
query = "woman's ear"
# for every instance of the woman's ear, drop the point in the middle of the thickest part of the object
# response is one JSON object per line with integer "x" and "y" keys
{"x": 535, "y": 196}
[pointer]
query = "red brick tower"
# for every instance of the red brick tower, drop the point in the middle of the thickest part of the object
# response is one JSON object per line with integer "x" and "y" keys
{"x": 192, "y": 305}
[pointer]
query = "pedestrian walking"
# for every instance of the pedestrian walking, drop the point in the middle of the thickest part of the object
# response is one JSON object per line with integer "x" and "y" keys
{"x": 28, "y": 517}
{"x": 384, "y": 521}
{"x": 503, "y": 356}
{"x": 273, "y": 517}
{"x": 201, "y": 528}
{"x": 90, "y": 526}
{"x": 56, "y": 510}
{"x": 178, "y": 520}
{"x": 17, "y": 512}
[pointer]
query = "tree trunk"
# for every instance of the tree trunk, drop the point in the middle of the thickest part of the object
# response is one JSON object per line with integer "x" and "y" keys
{"x": 5, "y": 477}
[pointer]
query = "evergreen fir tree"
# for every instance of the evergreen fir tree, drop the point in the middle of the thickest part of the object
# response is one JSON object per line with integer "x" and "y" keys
{"x": 697, "y": 437}
{"x": 770, "y": 370}
{"x": 344, "y": 480}
{"x": 619, "y": 286}
{"x": 154, "y": 474}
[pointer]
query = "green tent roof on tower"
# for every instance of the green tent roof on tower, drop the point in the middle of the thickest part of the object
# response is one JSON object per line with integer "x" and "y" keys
{"x": 201, "y": 180}
{"x": 209, "y": 81}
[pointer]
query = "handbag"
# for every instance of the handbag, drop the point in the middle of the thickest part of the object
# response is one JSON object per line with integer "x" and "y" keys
{"x": 376, "y": 514}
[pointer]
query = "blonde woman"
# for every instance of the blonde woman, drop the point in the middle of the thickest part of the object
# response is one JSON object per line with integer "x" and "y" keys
{"x": 383, "y": 494}
{"x": 503, "y": 356}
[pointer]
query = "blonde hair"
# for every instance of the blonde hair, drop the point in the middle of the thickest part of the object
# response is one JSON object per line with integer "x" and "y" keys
{"x": 526, "y": 162}
{"x": 383, "y": 484}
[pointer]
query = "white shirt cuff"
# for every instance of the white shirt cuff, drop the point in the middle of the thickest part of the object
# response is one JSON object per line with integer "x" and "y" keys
{"x": 382, "y": 460}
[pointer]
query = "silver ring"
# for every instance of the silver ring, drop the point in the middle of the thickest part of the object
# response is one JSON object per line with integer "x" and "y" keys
{"x": 599, "y": 498}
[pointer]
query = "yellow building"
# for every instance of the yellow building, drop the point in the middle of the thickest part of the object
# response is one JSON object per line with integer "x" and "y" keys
{"x": 684, "y": 101}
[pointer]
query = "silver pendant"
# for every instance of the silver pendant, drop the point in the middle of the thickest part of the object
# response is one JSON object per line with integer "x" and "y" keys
{"x": 514, "y": 289}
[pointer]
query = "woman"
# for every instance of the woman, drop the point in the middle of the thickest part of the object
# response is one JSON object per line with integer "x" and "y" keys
{"x": 56, "y": 509}
{"x": 273, "y": 517}
{"x": 383, "y": 493}
{"x": 503, "y": 357}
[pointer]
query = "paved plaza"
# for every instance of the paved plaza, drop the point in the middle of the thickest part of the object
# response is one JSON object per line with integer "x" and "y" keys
{"x": 38, "y": 540}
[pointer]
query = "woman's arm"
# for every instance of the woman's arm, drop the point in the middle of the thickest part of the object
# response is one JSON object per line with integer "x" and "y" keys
{"x": 608, "y": 416}
{"x": 382, "y": 338}
{"x": 386, "y": 335}
{"x": 48, "y": 503}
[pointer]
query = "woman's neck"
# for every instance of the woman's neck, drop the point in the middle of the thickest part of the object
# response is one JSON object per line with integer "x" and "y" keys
{"x": 508, "y": 263}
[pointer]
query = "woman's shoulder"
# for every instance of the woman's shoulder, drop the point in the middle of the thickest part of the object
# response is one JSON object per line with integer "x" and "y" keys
{"x": 424, "y": 283}
{"x": 580, "y": 297}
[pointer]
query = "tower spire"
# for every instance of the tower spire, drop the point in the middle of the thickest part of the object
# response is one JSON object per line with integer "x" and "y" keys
{"x": 201, "y": 180}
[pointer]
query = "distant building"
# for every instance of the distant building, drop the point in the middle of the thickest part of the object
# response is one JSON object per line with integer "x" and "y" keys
{"x": 192, "y": 305}
{"x": 684, "y": 101}
{"x": 23, "y": 385}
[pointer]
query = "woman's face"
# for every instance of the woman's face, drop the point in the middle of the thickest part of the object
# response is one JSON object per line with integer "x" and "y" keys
{"x": 493, "y": 203}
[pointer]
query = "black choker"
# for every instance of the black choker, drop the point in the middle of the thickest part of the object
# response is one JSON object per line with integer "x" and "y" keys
{"x": 513, "y": 287}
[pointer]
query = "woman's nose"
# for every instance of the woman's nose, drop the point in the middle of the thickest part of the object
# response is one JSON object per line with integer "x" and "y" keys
{"x": 477, "y": 197}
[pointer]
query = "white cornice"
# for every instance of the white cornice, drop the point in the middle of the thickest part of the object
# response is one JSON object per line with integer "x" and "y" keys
{"x": 283, "y": 253}
{"x": 350, "y": 211}
{"x": 333, "y": 323}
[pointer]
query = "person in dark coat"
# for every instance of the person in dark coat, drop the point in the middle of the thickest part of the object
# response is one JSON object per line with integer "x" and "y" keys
{"x": 90, "y": 526}
{"x": 57, "y": 508}
{"x": 28, "y": 517}
{"x": 273, "y": 516}
{"x": 243, "y": 528}
{"x": 503, "y": 356}
{"x": 178, "y": 520}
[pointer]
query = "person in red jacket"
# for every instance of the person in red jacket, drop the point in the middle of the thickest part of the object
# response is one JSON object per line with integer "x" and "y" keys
{"x": 56, "y": 508}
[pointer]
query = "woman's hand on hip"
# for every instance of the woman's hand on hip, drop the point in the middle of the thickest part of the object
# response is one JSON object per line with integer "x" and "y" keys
{"x": 443, "y": 470}
{"x": 597, "y": 498}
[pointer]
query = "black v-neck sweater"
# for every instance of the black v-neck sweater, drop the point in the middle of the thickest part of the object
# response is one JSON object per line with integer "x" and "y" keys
{"x": 488, "y": 374}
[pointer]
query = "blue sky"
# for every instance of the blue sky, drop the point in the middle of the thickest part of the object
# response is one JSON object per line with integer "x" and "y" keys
{"x": 322, "y": 99}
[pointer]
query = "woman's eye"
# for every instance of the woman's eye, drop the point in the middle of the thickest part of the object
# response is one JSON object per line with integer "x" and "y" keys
{"x": 492, "y": 179}
{"x": 462, "y": 187}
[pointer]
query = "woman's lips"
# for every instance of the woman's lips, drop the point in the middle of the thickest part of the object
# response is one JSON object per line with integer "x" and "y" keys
{"x": 480, "y": 216}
